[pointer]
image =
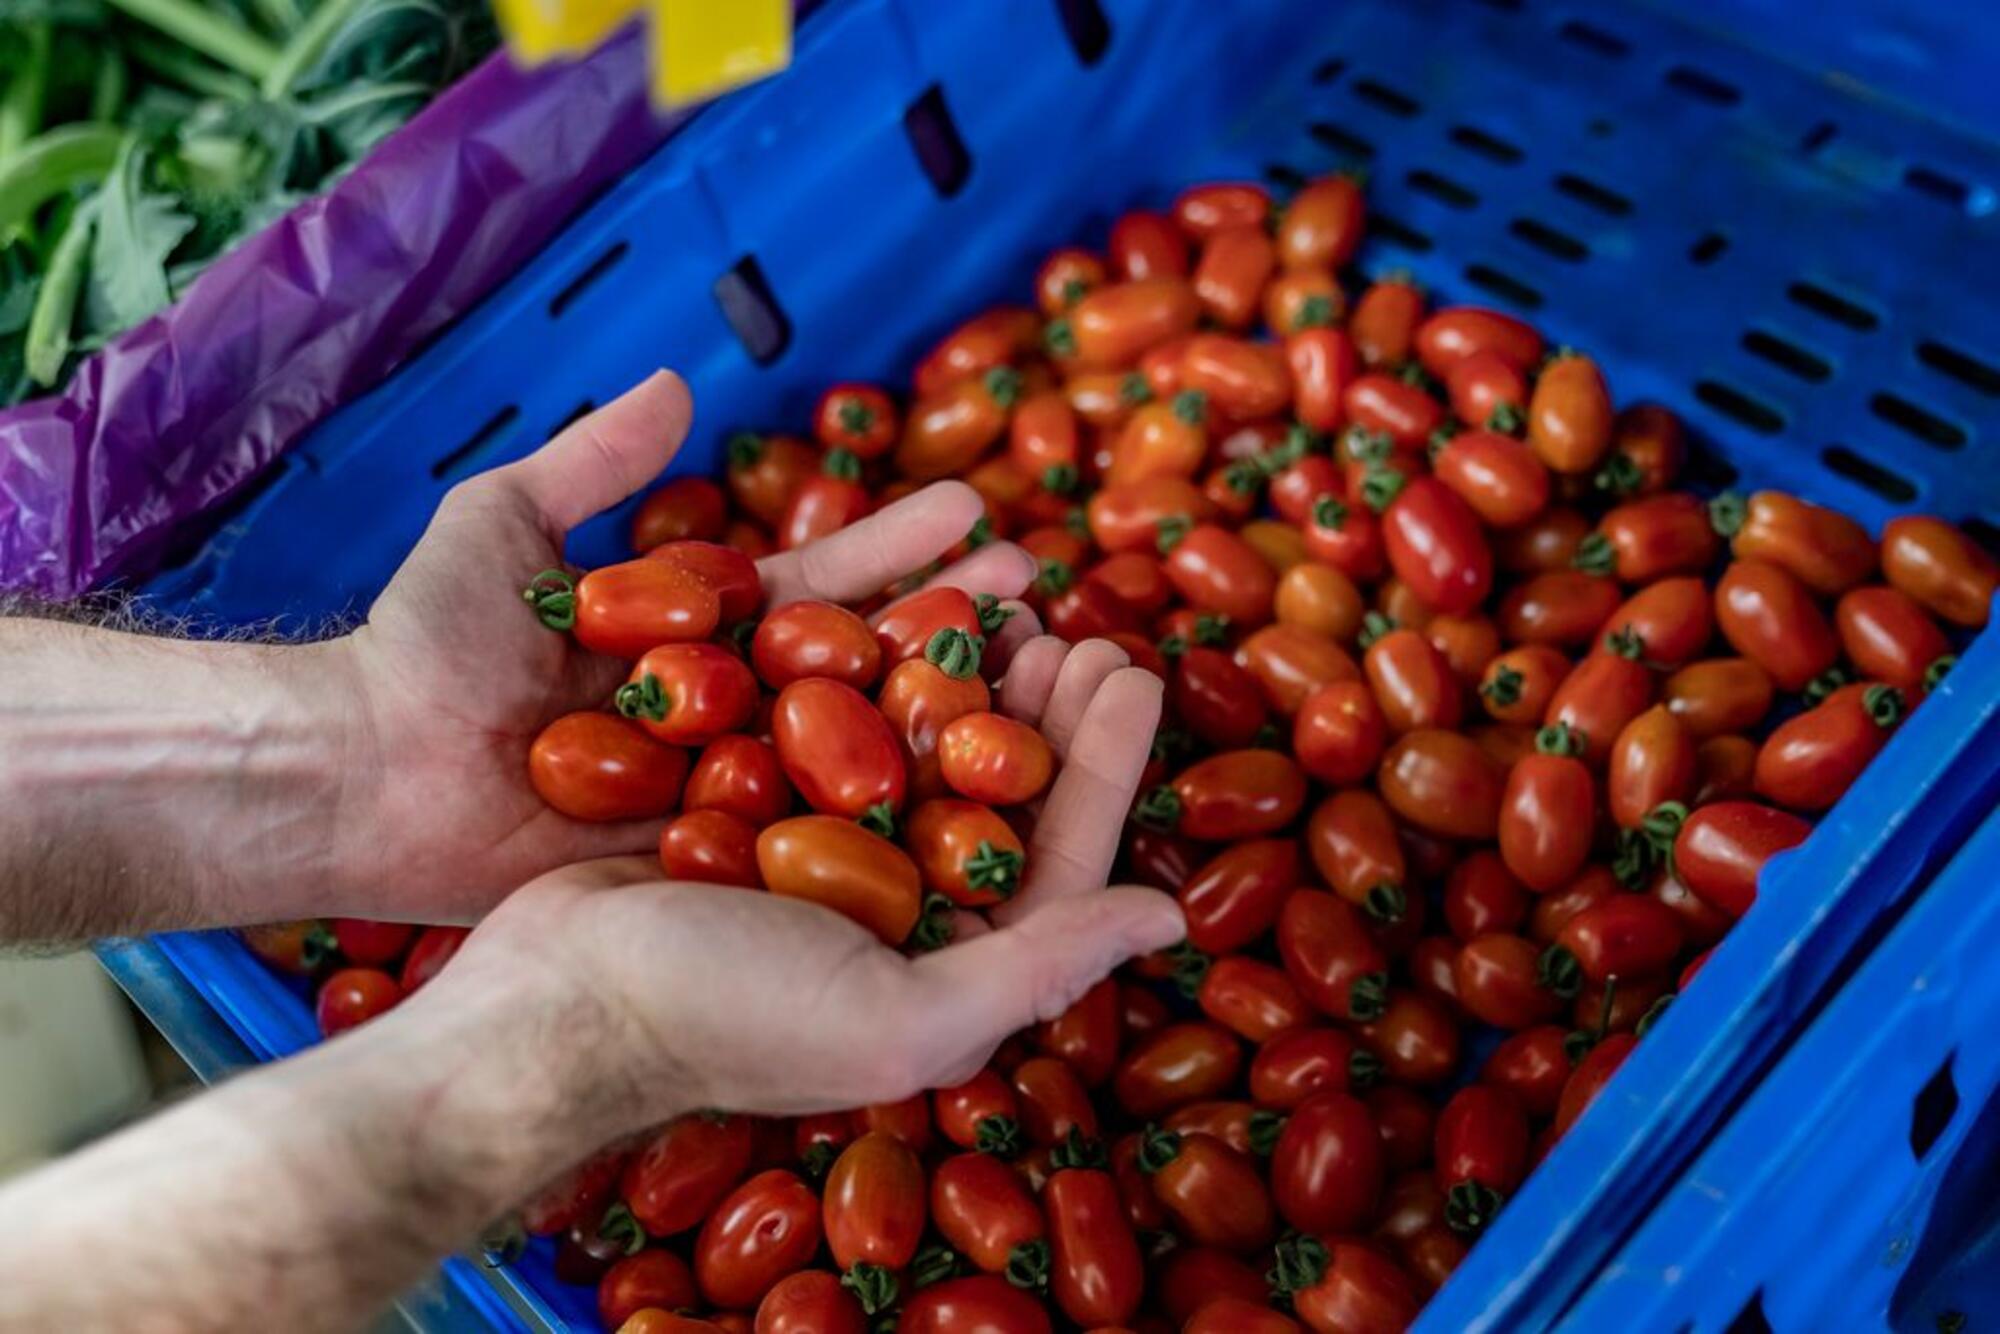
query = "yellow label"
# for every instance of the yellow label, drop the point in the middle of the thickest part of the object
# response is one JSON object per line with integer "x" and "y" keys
{"x": 705, "y": 47}
{"x": 539, "y": 29}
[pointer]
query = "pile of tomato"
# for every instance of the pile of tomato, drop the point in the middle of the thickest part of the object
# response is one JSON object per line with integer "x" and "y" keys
{"x": 1478, "y": 731}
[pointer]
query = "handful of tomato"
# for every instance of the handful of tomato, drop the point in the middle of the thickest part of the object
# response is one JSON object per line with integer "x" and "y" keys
{"x": 1474, "y": 719}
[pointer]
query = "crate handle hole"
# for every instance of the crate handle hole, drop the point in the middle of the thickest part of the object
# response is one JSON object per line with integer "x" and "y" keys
{"x": 1890, "y": 485}
{"x": 1787, "y": 356}
{"x": 1442, "y": 188}
{"x": 1740, "y": 407}
{"x": 1392, "y": 100}
{"x": 1549, "y": 240}
{"x": 1341, "y": 140}
{"x": 1832, "y": 306}
{"x": 935, "y": 139}
{"x": 1595, "y": 39}
{"x": 1489, "y": 146}
{"x": 1089, "y": 32}
{"x": 1600, "y": 197}
{"x": 1961, "y": 366}
{"x": 452, "y": 462}
{"x": 1708, "y": 248}
{"x": 583, "y": 282}
{"x": 1703, "y": 86}
{"x": 1932, "y": 1110}
{"x": 1503, "y": 285}
{"x": 753, "y": 311}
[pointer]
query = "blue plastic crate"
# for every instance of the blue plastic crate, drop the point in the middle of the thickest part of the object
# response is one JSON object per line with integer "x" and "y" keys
{"x": 1777, "y": 256}
{"x": 1880, "y": 1210}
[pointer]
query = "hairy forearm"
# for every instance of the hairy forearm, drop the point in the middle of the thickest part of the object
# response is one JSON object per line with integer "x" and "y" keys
{"x": 148, "y": 783}
{"x": 308, "y": 1195}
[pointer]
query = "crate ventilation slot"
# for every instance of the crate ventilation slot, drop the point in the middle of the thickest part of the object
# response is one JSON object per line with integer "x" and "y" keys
{"x": 1341, "y": 140}
{"x": 1818, "y": 137}
{"x": 1600, "y": 197}
{"x": 1932, "y": 1110}
{"x": 1442, "y": 188}
{"x": 1089, "y": 32}
{"x": 1283, "y": 176}
{"x": 1963, "y": 367}
{"x": 753, "y": 312}
{"x": 1703, "y": 86}
{"x": 489, "y": 430}
{"x": 1919, "y": 422}
{"x": 1708, "y": 248}
{"x": 1329, "y": 70}
{"x": 1891, "y": 486}
{"x": 1707, "y": 470}
{"x": 1985, "y": 534}
{"x": 571, "y": 418}
{"x": 1827, "y": 305}
{"x": 1740, "y": 407}
{"x": 1396, "y": 232}
{"x": 1595, "y": 39}
{"x": 1787, "y": 356}
{"x": 934, "y": 138}
{"x": 1948, "y": 189}
{"x": 1549, "y": 240}
{"x": 1490, "y": 146}
{"x": 1503, "y": 285}
{"x": 583, "y": 282}
{"x": 1391, "y": 100}
{"x": 1751, "y": 1319}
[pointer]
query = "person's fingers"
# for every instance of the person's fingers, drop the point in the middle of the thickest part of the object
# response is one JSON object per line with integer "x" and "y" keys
{"x": 1024, "y": 692}
{"x": 971, "y": 995}
{"x": 1083, "y": 816}
{"x": 999, "y": 568}
{"x": 866, "y": 557}
{"x": 1083, "y": 671}
{"x": 1020, "y": 627}
{"x": 600, "y": 459}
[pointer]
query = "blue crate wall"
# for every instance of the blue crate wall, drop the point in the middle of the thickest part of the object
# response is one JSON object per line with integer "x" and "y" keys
{"x": 1881, "y": 1209}
{"x": 1727, "y": 234}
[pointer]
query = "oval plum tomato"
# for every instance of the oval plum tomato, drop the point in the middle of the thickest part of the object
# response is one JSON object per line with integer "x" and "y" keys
{"x": 1648, "y": 448}
{"x": 688, "y": 694}
{"x": 1887, "y": 636}
{"x": 1482, "y": 896}
{"x": 1214, "y": 1193}
{"x": 1560, "y": 607}
{"x": 1160, "y": 366}
{"x": 1161, "y": 439}
{"x": 826, "y": 502}
{"x": 1234, "y": 897}
{"x": 1241, "y": 379}
{"x": 747, "y": 539}
{"x": 1331, "y": 956}
{"x": 1385, "y": 319}
{"x": 1727, "y": 765}
{"x": 370, "y": 943}
{"x": 839, "y": 865}
{"x": 652, "y": 1278}
{"x": 873, "y": 1212}
{"x": 684, "y": 1170}
{"x": 1238, "y": 1315}
{"x": 1717, "y": 696}
{"x": 1482, "y": 1154}
{"x": 1136, "y": 578}
{"x": 739, "y": 775}
{"x": 710, "y": 847}
{"x": 1322, "y": 225}
{"x": 1096, "y": 1274}
{"x": 732, "y": 574}
{"x": 1498, "y": 477}
{"x": 1065, "y": 278}
{"x": 298, "y": 948}
{"x": 812, "y": 1301}
{"x": 1403, "y": 1121}
{"x": 686, "y": 507}
{"x": 1328, "y": 1167}
{"x": 1343, "y": 1287}
{"x": 908, "y": 1120}
{"x": 1599, "y": 696}
{"x": 1499, "y": 983}
{"x": 1946, "y": 572}
{"x": 1569, "y": 415}
{"x": 1339, "y": 733}
{"x": 1300, "y": 300}
{"x": 1722, "y": 847}
{"x": 597, "y": 766}
{"x": 578, "y": 1194}
{"x": 1148, "y": 245}
{"x": 1516, "y": 686}
{"x": 433, "y": 949}
{"x": 1592, "y": 1073}
{"x": 859, "y": 418}
{"x": 624, "y": 609}
{"x": 1236, "y": 1124}
{"x": 1433, "y": 963}
{"x": 1672, "y": 620}
{"x": 1181, "y": 1063}
{"x": 992, "y": 758}
{"x": 1414, "y": 685}
{"x": 1457, "y": 333}
{"x": 1811, "y": 759}
{"x": 1821, "y": 548}
{"x": 1625, "y": 936}
{"x": 837, "y": 750}
{"x": 919, "y": 700}
{"x": 995, "y": 337}
{"x": 766, "y": 1228}
{"x": 807, "y": 638}
{"x": 1303, "y": 1062}
{"x": 817, "y": 1139}
{"x": 1042, "y": 438}
{"x": 986, "y": 1212}
{"x": 1113, "y": 325}
{"x": 1086, "y": 1035}
{"x": 1552, "y": 911}
{"x": 1768, "y": 616}
{"x": 1531, "y": 1066}
{"x": 1467, "y": 642}
{"x": 1488, "y": 392}
{"x": 353, "y": 996}
{"x": 1053, "y": 1101}
{"x": 1652, "y": 763}
{"x": 1220, "y": 702}
{"x": 1161, "y": 860}
{"x": 1133, "y": 518}
{"x": 1648, "y": 539}
{"x": 1288, "y": 664}
{"x": 765, "y": 471}
{"x": 1382, "y": 403}
{"x": 1701, "y": 925}
{"x": 1352, "y": 838}
{"x": 1320, "y": 599}
{"x": 1347, "y": 537}
{"x": 982, "y": 1113}
{"x": 965, "y": 852}
{"x": 1547, "y": 542}
{"x": 979, "y": 1304}
{"x": 907, "y": 627}
{"x": 1547, "y": 812}
{"x": 1434, "y": 543}
{"x": 1233, "y": 795}
{"x": 1215, "y": 570}
{"x": 1253, "y": 1000}
{"x": 1323, "y": 367}
{"x": 1443, "y": 783}
{"x": 948, "y": 430}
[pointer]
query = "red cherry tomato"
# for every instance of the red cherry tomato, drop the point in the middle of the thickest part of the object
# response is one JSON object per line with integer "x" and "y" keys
{"x": 1488, "y": 392}
{"x": 370, "y": 943}
{"x": 992, "y": 758}
{"x": 1888, "y": 637}
{"x": 1946, "y": 572}
{"x": 964, "y": 851}
{"x": 1592, "y": 1073}
{"x": 688, "y": 694}
{"x": 1627, "y": 936}
{"x": 686, "y": 507}
{"x": 710, "y": 847}
{"x": 839, "y": 865}
{"x": 1112, "y": 326}
{"x": 1653, "y": 762}
{"x": 1552, "y": 911}
{"x": 804, "y": 639}
{"x": 1300, "y": 300}
{"x": 1213, "y": 1193}
{"x": 741, "y": 776}
{"x": 980, "y": 1304}
{"x": 766, "y": 1228}
{"x": 1647, "y": 539}
{"x": 1130, "y": 518}
{"x": 682, "y": 1173}
{"x": 837, "y": 749}
{"x": 1384, "y": 322}
{"x": 1053, "y": 1101}
{"x": 986, "y": 1212}
{"x": 1434, "y": 544}
{"x": 1328, "y": 1167}
{"x": 1414, "y": 684}
{"x": 1324, "y": 366}
{"x": 834, "y": 496}
{"x": 353, "y": 996}
{"x": 1416, "y": 1039}
{"x": 1219, "y": 701}
{"x": 1647, "y": 451}
{"x": 1717, "y": 696}
{"x": 1531, "y": 1066}
{"x": 1331, "y": 956}
{"x": 1457, "y": 333}
{"x": 764, "y": 472}
{"x": 1181, "y": 1063}
{"x": 1721, "y": 848}
{"x": 1672, "y": 620}
{"x": 1234, "y": 795}
{"x": 1343, "y": 1287}
{"x": 1500, "y": 983}
{"x": 622, "y": 610}
{"x": 1065, "y": 278}
{"x": 1482, "y": 896}
{"x": 1565, "y": 608}
{"x": 1321, "y": 226}
{"x": 995, "y": 337}
{"x": 1547, "y": 812}
{"x": 1303, "y": 1062}
{"x": 873, "y": 1212}
{"x": 433, "y": 949}
{"x": 1339, "y": 733}
{"x": 1251, "y": 999}
{"x": 811, "y": 1301}
{"x": 652, "y": 1278}
{"x": 858, "y": 418}
{"x": 1569, "y": 415}
{"x": 1768, "y": 616}
{"x": 1347, "y": 537}
{"x": 1353, "y": 841}
{"x": 594, "y": 766}
{"x": 1215, "y": 570}
{"x": 1824, "y": 550}
{"x": 1482, "y": 1154}
{"x": 1443, "y": 783}
{"x": 1382, "y": 403}
{"x": 919, "y": 700}
{"x": 982, "y": 1113}
{"x": 1096, "y": 1275}
{"x": 1145, "y": 245}
{"x": 1810, "y": 760}
{"x": 1234, "y": 897}
{"x": 1516, "y": 686}
{"x": 1086, "y": 1036}
{"x": 1599, "y": 697}
{"x": 1498, "y": 477}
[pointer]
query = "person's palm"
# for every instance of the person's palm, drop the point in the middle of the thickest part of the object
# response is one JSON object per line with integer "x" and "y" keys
{"x": 455, "y": 676}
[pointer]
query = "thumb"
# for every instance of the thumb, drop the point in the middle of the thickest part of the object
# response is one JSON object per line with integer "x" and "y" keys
{"x": 974, "y": 994}
{"x": 600, "y": 459}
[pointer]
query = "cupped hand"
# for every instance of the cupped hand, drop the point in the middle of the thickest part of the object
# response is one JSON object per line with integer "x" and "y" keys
{"x": 452, "y": 676}
{"x": 668, "y": 997}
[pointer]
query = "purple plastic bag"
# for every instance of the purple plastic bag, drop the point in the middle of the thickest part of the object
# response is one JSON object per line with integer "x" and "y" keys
{"x": 174, "y": 416}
